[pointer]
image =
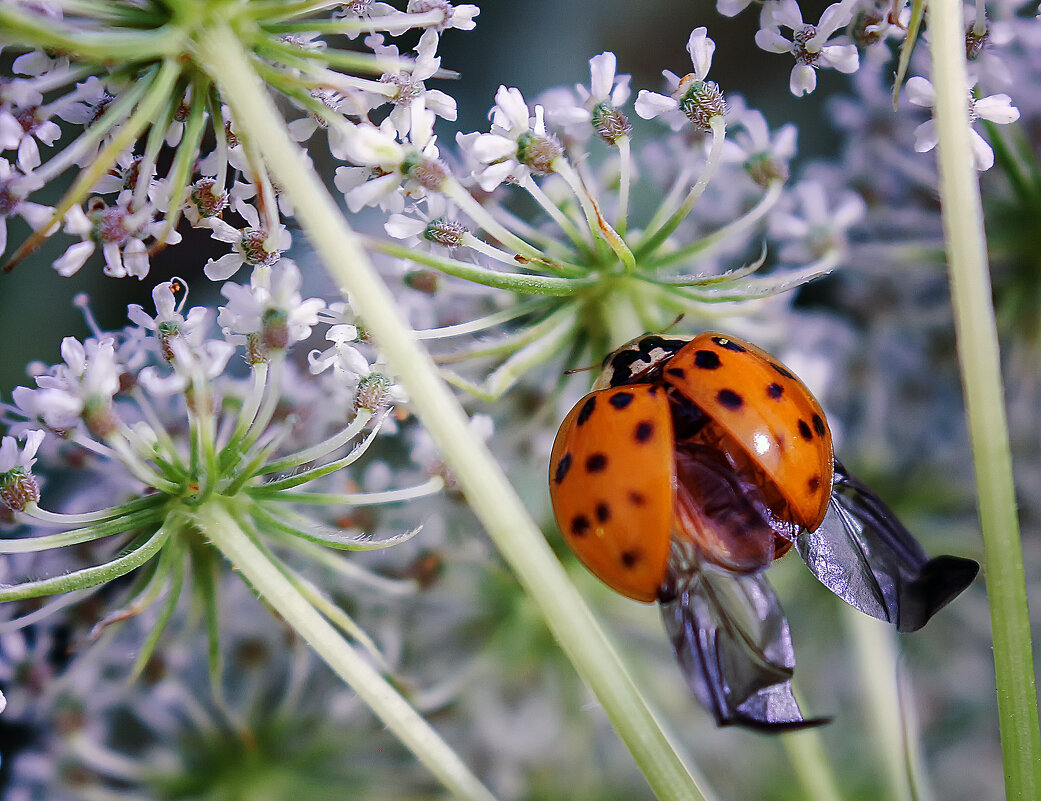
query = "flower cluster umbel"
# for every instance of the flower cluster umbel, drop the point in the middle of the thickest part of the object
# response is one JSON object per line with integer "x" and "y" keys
{"x": 154, "y": 147}
{"x": 160, "y": 398}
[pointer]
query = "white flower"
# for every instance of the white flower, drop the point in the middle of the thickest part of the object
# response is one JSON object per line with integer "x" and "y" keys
{"x": 460, "y": 17}
{"x": 13, "y": 188}
{"x": 30, "y": 127}
{"x": 764, "y": 155}
{"x": 517, "y": 146}
{"x": 582, "y": 111}
{"x": 692, "y": 97}
{"x": 405, "y": 86}
{"x": 347, "y": 362}
{"x": 425, "y": 229}
{"x": 995, "y": 108}
{"x": 809, "y": 42}
{"x": 122, "y": 234}
{"x": 81, "y": 387}
{"x": 818, "y": 226}
{"x": 271, "y": 307}
{"x": 12, "y": 457}
{"x": 252, "y": 245}
{"x": 391, "y": 169}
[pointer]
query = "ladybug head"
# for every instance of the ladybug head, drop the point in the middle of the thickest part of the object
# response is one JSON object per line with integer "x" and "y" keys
{"x": 638, "y": 361}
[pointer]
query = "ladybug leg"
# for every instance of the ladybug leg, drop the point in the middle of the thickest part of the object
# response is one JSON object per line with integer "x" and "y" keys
{"x": 732, "y": 642}
{"x": 863, "y": 554}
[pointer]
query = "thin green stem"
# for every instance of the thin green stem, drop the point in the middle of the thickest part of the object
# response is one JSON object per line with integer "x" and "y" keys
{"x": 88, "y": 576}
{"x": 77, "y": 536}
{"x": 654, "y": 238}
{"x": 516, "y": 282}
{"x": 277, "y": 590}
{"x": 985, "y": 406}
{"x": 495, "y": 502}
{"x": 811, "y": 765}
{"x": 342, "y": 437}
{"x": 876, "y": 661}
{"x": 105, "y": 47}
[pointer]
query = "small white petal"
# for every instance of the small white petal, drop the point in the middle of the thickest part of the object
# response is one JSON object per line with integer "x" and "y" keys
{"x": 786, "y": 12}
{"x": 401, "y": 227}
{"x": 222, "y": 268}
{"x": 835, "y": 16}
{"x": 701, "y": 49}
{"x": 920, "y": 92}
{"x": 488, "y": 148}
{"x": 494, "y": 174}
{"x": 844, "y": 58}
{"x": 72, "y": 259}
{"x": 28, "y": 154}
{"x": 925, "y": 136}
{"x": 731, "y": 8}
{"x": 601, "y": 74}
{"x": 651, "y": 104}
{"x": 510, "y": 112}
{"x": 982, "y": 155}
{"x": 770, "y": 40}
{"x": 997, "y": 109}
{"x": 803, "y": 80}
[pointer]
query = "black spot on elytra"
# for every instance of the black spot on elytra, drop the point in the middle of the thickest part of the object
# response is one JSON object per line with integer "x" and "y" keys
{"x": 814, "y": 484}
{"x": 677, "y": 372}
{"x": 596, "y": 463}
{"x": 729, "y": 344}
{"x": 730, "y": 399}
{"x": 580, "y": 525}
{"x": 562, "y": 467}
{"x": 621, "y": 400}
{"x": 644, "y": 431}
{"x": 631, "y": 557}
{"x": 603, "y": 512}
{"x": 818, "y": 425}
{"x": 707, "y": 359}
{"x": 775, "y": 391}
{"x": 587, "y": 411}
{"x": 804, "y": 431}
{"x": 636, "y": 498}
{"x": 781, "y": 370}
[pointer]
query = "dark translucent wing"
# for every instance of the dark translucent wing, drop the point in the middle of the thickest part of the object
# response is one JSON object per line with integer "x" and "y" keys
{"x": 863, "y": 554}
{"x": 732, "y": 642}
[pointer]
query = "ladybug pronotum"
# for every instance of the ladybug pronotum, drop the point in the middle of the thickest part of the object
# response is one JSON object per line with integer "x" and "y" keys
{"x": 690, "y": 467}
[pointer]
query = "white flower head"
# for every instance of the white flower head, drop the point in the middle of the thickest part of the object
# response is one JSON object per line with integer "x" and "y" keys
{"x": 593, "y": 109}
{"x": 808, "y": 43}
{"x": 517, "y": 146}
{"x": 994, "y": 108}
{"x": 269, "y": 313}
{"x": 18, "y": 487}
{"x": 692, "y": 98}
{"x": 12, "y": 457}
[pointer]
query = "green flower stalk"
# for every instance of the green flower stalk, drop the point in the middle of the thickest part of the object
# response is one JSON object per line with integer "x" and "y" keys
{"x": 984, "y": 400}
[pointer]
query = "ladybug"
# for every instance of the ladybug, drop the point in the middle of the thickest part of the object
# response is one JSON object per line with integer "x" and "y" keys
{"x": 695, "y": 463}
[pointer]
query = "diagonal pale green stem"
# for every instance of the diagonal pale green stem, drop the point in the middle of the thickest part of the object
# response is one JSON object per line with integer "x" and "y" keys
{"x": 278, "y": 591}
{"x": 496, "y": 504}
{"x": 985, "y": 404}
